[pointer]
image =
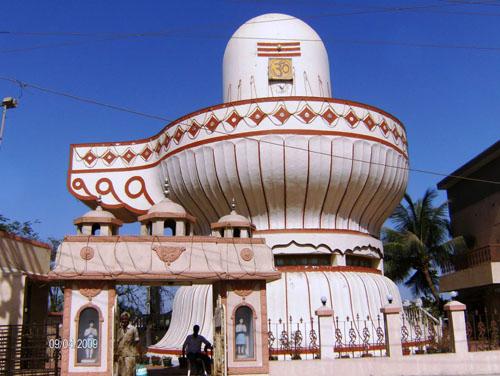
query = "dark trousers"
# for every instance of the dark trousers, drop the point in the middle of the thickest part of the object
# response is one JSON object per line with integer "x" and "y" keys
{"x": 193, "y": 357}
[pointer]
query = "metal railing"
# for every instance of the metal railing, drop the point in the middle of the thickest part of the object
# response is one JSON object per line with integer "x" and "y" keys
{"x": 25, "y": 350}
{"x": 472, "y": 258}
{"x": 359, "y": 337}
{"x": 482, "y": 330}
{"x": 421, "y": 334}
{"x": 294, "y": 340}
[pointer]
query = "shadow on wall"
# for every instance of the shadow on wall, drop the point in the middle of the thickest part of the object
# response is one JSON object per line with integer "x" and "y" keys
{"x": 19, "y": 258}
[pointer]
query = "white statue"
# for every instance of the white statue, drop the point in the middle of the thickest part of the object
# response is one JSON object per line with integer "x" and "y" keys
{"x": 241, "y": 338}
{"x": 90, "y": 335}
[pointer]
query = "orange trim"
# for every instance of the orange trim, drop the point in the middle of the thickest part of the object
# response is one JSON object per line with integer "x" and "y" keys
{"x": 142, "y": 191}
{"x": 327, "y": 268}
{"x": 98, "y": 220}
{"x": 243, "y": 135}
{"x": 279, "y": 55}
{"x": 189, "y": 277}
{"x": 111, "y": 326}
{"x": 166, "y": 215}
{"x": 8, "y": 235}
{"x": 313, "y": 230}
{"x": 303, "y": 350}
{"x": 277, "y": 49}
{"x": 77, "y": 321}
{"x": 237, "y": 103}
{"x": 164, "y": 351}
{"x": 156, "y": 238}
{"x": 247, "y": 370}
{"x": 66, "y": 330}
{"x": 263, "y": 324}
{"x": 254, "y": 326}
{"x": 230, "y": 224}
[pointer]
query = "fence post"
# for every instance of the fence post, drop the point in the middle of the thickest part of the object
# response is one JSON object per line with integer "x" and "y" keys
{"x": 456, "y": 320}
{"x": 392, "y": 325}
{"x": 326, "y": 332}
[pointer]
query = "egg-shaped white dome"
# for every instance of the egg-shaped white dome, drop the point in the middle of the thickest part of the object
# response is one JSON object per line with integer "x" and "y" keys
{"x": 259, "y": 47}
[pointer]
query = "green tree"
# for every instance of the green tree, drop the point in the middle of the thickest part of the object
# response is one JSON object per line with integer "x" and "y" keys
{"x": 419, "y": 244}
{"x": 24, "y": 229}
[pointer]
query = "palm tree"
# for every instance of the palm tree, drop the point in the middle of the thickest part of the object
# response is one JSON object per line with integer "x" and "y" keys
{"x": 419, "y": 244}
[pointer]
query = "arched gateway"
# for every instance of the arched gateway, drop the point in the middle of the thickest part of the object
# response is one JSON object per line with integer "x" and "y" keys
{"x": 237, "y": 266}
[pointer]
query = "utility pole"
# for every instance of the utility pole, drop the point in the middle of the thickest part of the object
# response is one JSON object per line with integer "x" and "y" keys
{"x": 7, "y": 103}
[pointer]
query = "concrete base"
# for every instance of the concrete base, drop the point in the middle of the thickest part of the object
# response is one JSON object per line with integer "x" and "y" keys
{"x": 475, "y": 363}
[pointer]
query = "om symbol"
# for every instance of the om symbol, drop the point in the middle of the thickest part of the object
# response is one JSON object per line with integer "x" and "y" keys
{"x": 280, "y": 69}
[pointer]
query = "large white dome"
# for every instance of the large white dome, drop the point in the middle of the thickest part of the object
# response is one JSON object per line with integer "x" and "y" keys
{"x": 250, "y": 50}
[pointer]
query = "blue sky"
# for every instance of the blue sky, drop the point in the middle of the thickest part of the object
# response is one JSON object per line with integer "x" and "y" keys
{"x": 448, "y": 98}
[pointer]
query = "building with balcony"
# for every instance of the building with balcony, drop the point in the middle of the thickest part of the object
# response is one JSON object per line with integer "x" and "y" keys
{"x": 475, "y": 215}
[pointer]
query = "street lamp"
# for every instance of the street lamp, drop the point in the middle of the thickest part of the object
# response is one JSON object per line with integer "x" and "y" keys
{"x": 390, "y": 298}
{"x": 7, "y": 103}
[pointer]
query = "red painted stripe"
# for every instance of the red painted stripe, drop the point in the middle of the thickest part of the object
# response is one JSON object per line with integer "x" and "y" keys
{"x": 277, "y": 49}
{"x": 292, "y": 54}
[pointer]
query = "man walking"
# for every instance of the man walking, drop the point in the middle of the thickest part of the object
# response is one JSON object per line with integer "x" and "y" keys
{"x": 127, "y": 340}
{"x": 192, "y": 346}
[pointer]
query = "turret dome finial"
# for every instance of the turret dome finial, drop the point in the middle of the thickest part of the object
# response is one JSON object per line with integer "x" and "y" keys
{"x": 233, "y": 205}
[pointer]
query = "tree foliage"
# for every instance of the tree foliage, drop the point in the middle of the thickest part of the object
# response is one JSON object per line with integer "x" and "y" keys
{"x": 24, "y": 229}
{"x": 419, "y": 244}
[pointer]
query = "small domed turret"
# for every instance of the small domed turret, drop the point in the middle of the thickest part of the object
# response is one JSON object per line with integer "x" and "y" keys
{"x": 97, "y": 222}
{"x": 167, "y": 218}
{"x": 233, "y": 225}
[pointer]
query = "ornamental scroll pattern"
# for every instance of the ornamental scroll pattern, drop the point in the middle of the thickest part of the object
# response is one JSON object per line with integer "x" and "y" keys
{"x": 246, "y": 254}
{"x": 87, "y": 253}
{"x": 91, "y": 289}
{"x": 168, "y": 254}
{"x": 243, "y": 288}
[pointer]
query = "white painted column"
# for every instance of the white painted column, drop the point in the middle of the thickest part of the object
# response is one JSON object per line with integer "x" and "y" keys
{"x": 458, "y": 332}
{"x": 326, "y": 332}
{"x": 392, "y": 324}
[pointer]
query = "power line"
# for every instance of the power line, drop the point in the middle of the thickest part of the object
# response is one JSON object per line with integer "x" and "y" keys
{"x": 334, "y": 41}
{"x": 23, "y": 84}
{"x": 172, "y": 33}
{"x": 370, "y": 10}
{"x": 158, "y": 117}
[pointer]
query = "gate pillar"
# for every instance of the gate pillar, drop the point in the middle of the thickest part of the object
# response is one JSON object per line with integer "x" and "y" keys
{"x": 88, "y": 328}
{"x": 245, "y": 305}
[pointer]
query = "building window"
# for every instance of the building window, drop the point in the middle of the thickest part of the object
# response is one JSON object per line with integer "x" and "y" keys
{"x": 96, "y": 229}
{"x": 303, "y": 260}
{"x": 169, "y": 228}
{"x": 366, "y": 262}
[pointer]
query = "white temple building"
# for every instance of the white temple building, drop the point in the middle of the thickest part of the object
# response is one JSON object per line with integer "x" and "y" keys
{"x": 314, "y": 176}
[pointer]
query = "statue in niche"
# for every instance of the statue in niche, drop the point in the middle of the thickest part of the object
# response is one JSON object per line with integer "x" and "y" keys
{"x": 244, "y": 333}
{"x": 90, "y": 335}
{"x": 87, "y": 346}
{"x": 241, "y": 339}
